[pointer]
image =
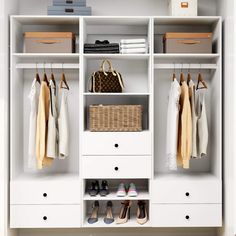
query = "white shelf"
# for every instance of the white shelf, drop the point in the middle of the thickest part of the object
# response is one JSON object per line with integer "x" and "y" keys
{"x": 142, "y": 195}
{"x": 131, "y": 223}
{"x": 185, "y": 56}
{"x": 191, "y": 66}
{"x": 116, "y": 94}
{"x": 47, "y": 55}
{"x": 117, "y": 56}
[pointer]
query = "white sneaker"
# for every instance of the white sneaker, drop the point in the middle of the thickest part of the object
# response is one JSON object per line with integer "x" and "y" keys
{"x": 132, "y": 190}
{"x": 121, "y": 190}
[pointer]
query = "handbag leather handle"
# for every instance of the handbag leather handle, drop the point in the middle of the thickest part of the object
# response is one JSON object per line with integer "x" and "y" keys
{"x": 102, "y": 68}
{"x": 189, "y": 41}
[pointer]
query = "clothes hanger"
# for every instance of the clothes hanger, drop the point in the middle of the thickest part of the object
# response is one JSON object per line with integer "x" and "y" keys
{"x": 37, "y": 74}
{"x": 181, "y": 75}
{"x": 45, "y": 78}
{"x": 189, "y": 76}
{"x": 52, "y": 76}
{"x": 200, "y": 80}
{"x": 174, "y": 75}
{"x": 63, "y": 80}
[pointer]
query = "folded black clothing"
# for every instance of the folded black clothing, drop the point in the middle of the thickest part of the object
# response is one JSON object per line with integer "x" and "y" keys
{"x": 102, "y": 49}
{"x": 102, "y": 42}
{"x": 103, "y": 52}
{"x": 110, "y": 45}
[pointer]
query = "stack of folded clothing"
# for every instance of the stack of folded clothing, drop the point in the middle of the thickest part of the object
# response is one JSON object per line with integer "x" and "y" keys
{"x": 132, "y": 46}
{"x": 71, "y": 7}
{"x": 101, "y": 47}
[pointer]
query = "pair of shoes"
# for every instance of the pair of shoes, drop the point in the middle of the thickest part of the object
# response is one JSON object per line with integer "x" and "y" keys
{"x": 131, "y": 191}
{"x": 124, "y": 215}
{"x": 108, "y": 219}
{"x": 94, "y": 188}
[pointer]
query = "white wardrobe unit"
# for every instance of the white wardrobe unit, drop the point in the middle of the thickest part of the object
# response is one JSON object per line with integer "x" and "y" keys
{"x": 189, "y": 201}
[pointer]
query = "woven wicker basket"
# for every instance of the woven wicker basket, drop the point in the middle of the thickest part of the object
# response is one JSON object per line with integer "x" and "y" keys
{"x": 115, "y": 118}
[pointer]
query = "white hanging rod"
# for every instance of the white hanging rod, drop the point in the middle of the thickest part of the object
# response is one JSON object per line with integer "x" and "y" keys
{"x": 48, "y": 65}
{"x": 186, "y": 66}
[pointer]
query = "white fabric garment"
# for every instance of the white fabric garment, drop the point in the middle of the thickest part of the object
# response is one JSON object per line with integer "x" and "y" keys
{"x": 132, "y": 41}
{"x": 133, "y": 50}
{"x": 202, "y": 125}
{"x": 63, "y": 123}
{"x": 52, "y": 135}
{"x": 34, "y": 100}
{"x": 194, "y": 119}
{"x": 172, "y": 125}
{"x": 129, "y": 46}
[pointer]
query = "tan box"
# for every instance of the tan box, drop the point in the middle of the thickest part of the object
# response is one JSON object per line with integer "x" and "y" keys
{"x": 187, "y": 43}
{"x": 49, "y": 42}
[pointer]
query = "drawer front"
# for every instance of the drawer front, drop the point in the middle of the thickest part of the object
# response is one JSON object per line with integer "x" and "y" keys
{"x": 117, "y": 143}
{"x": 56, "y": 192}
{"x": 116, "y": 167}
{"x": 186, "y": 215}
{"x": 205, "y": 191}
{"x": 45, "y": 216}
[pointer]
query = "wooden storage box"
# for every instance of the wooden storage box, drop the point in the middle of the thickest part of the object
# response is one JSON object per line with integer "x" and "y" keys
{"x": 115, "y": 118}
{"x": 187, "y": 43}
{"x": 183, "y": 7}
{"x": 49, "y": 42}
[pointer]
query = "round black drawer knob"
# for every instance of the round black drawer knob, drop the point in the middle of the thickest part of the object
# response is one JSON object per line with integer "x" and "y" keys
{"x": 45, "y": 218}
{"x": 187, "y": 217}
{"x": 45, "y": 195}
{"x": 187, "y": 194}
{"x": 116, "y": 168}
{"x": 116, "y": 145}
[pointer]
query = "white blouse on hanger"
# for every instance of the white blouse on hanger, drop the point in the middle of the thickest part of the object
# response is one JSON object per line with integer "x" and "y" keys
{"x": 63, "y": 122}
{"x": 172, "y": 125}
{"x": 34, "y": 100}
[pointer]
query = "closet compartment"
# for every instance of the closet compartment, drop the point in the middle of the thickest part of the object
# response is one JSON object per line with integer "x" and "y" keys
{"x": 22, "y": 24}
{"x": 116, "y": 143}
{"x": 187, "y": 215}
{"x": 115, "y": 167}
{"x": 45, "y": 190}
{"x": 45, "y": 216}
{"x": 132, "y": 222}
{"x": 114, "y": 29}
{"x": 200, "y": 24}
{"x": 142, "y": 188}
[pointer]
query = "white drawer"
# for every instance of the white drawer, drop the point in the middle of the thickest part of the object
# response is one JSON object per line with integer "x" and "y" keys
{"x": 45, "y": 192}
{"x": 186, "y": 215}
{"x": 45, "y": 216}
{"x": 116, "y": 167}
{"x": 116, "y": 143}
{"x": 196, "y": 191}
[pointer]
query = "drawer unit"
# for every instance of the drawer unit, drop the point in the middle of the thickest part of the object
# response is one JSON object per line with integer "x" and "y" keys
{"x": 186, "y": 215}
{"x": 45, "y": 216}
{"x": 116, "y": 167}
{"x": 55, "y": 192}
{"x": 205, "y": 191}
{"x": 118, "y": 143}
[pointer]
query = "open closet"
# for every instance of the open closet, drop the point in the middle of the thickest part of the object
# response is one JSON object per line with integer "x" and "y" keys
{"x": 117, "y": 179}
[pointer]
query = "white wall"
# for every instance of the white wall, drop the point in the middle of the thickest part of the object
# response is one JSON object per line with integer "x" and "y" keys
{"x": 226, "y": 9}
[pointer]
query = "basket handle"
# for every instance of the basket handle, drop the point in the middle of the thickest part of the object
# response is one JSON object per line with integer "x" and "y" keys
{"x": 102, "y": 68}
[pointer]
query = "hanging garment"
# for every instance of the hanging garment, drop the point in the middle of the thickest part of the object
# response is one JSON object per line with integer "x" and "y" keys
{"x": 34, "y": 99}
{"x": 185, "y": 128}
{"x": 194, "y": 119}
{"x": 42, "y": 123}
{"x": 63, "y": 122}
{"x": 52, "y": 138}
{"x": 202, "y": 125}
{"x": 172, "y": 125}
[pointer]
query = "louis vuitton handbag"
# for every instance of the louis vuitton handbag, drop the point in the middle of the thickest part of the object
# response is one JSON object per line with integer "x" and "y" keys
{"x": 103, "y": 81}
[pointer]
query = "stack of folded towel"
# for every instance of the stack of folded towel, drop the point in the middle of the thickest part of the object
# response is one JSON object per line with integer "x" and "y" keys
{"x": 131, "y": 46}
{"x": 101, "y": 47}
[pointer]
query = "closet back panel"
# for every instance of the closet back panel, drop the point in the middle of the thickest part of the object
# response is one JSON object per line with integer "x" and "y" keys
{"x": 208, "y": 164}
{"x": 20, "y": 119}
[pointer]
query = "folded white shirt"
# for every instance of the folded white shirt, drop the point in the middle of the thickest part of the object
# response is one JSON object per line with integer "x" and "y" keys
{"x": 134, "y": 50}
{"x": 132, "y": 41}
{"x": 127, "y": 46}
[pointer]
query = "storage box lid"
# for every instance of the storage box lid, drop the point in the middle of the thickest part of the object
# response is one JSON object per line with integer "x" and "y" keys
{"x": 178, "y": 35}
{"x": 49, "y": 35}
